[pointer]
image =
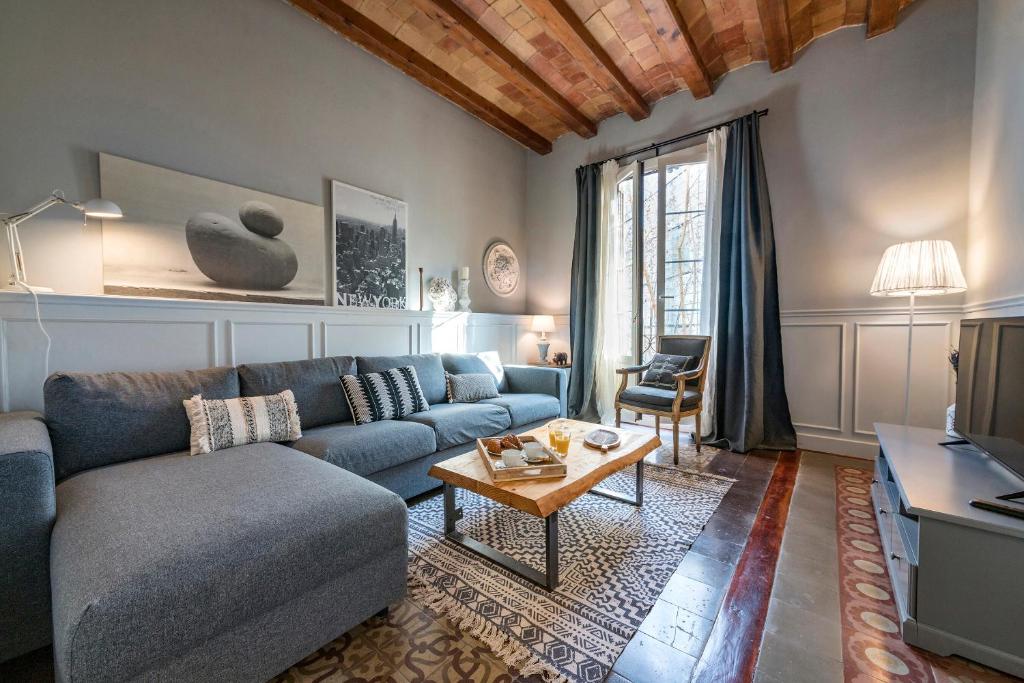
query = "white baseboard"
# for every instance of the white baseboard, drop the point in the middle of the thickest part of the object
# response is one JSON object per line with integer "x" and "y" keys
{"x": 864, "y": 450}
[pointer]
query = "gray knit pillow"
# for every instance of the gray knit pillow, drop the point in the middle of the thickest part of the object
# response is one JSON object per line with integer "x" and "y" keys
{"x": 471, "y": 387}
{"x": 663, "y": 368}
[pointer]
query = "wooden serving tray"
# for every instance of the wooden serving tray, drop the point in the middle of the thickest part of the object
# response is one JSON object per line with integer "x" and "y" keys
{"x": 545, "y": 470}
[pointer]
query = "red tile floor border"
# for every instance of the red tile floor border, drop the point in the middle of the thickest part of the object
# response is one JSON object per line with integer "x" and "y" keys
{"x": 873, "y": 651}
{"x": 735, "y": 642}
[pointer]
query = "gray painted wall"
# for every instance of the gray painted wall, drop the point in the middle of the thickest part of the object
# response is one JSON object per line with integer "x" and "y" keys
{"x": 996, "y": 228}
{"x": 867, "y": 144}
{"x": 248, "y": 92}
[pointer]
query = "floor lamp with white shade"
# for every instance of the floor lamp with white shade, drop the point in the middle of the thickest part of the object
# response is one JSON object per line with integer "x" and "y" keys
{"x": 913, "y": 269}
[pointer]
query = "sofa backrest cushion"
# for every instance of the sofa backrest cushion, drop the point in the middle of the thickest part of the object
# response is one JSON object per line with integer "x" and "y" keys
{"x": 107, "y": 418}
{"x": 315, "y": 383}
{"x": 429, "y": 371}
{"x": 473, "y": 364}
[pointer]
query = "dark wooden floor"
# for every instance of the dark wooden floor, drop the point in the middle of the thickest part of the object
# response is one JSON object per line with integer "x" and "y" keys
{"x": 674, "y": 639}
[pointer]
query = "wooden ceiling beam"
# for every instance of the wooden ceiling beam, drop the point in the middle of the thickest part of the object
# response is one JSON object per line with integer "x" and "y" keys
{"x": 882, "y": 15}
{"x": 778, "y": 41}
{"x": 504, "y": 61}
{"x": 361, "y": 30}
{"x": 583, "y": 46}
{"x": 693, "y": 70}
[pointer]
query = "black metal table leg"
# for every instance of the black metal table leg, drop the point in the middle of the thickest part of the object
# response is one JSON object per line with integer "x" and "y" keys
{"x": 637, "y": 500}
{"x": 547, "y": 579}
{"x": 452, "y": 514}
{"x": 551, "y": 550}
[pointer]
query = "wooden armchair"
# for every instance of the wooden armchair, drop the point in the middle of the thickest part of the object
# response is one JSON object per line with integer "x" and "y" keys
{"x": 685, "y": 400}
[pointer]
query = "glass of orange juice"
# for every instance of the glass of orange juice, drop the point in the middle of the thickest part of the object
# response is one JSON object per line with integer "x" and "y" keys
{"x": 560, "y": 435}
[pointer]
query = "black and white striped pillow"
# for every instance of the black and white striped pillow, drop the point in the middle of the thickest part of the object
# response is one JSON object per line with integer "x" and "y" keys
{"x": 384, "y": 395}
{"x": 223, "y": 423}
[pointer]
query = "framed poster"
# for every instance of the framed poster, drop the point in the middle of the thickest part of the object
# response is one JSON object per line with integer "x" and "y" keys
{"x": 187, "y": 237}
{"x": 369, "y": 248}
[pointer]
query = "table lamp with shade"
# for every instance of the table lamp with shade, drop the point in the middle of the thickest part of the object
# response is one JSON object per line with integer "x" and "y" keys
{"x": 913, "y": 269}
{"x": 97, "y": 208}
{"x": 543, "y": 324}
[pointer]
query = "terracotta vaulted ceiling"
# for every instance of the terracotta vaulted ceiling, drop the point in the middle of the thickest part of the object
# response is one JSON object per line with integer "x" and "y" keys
{"x": 538, "y": 69}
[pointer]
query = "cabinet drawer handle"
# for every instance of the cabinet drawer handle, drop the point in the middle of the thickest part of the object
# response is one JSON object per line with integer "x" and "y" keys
{"x": 883, "y": 511}
{"x": 874, "y": 481}
{"x": 894, "y": 556}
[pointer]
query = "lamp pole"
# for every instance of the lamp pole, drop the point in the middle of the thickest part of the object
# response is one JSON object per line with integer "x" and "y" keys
{"x": 910, "y": 347}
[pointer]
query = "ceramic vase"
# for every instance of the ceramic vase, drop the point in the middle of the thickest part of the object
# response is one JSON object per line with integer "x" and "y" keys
{"x": 442, "y": 294}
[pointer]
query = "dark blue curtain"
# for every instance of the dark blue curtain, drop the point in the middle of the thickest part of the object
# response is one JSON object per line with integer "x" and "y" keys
{"x": 752, "y": 410}
{"x": 583, "y": 298}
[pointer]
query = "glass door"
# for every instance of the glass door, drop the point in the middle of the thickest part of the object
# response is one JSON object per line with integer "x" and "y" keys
{"x": 670, "y": 247}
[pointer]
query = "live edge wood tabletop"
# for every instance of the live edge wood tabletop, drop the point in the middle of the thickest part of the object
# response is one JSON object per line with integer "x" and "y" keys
{"x": 586, "y": 468}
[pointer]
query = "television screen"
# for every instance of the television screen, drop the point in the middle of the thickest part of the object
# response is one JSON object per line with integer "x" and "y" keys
{"x": 990, "y": 388}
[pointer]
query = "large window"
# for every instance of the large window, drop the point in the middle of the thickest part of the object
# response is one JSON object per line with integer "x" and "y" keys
{"x": 668, "y": 238}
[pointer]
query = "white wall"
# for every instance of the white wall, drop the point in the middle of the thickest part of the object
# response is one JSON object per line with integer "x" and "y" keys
{"x": 867, "y": 143}
{"x": 249, "y": 92}
{"x": 996, "y": 226}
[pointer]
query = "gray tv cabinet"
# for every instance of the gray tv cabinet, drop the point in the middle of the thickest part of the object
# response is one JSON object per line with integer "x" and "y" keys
{"x": 957, "y": 572}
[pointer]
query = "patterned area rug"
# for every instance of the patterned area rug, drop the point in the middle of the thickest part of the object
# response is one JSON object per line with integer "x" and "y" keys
{"x": 614, "y": 561}
{"x": 873, "y": 650}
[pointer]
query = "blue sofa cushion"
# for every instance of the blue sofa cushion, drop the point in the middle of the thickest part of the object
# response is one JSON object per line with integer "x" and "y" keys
{"x": 29, "y": 509}
{"x": 154, "y": 557}
{"x": 527, "y": 408}
{"x": 107, "y": 418}
{"x": 470, "y": 364}
{"x": 659, "y": 399}
{"x": 455, "y": 424}
{"x": 368, "y": 448}
{"x": 315, "y": 383}
{"x": 429, "y": 371}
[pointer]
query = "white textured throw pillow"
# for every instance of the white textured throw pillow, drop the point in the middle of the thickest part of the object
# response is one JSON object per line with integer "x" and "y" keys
{"x": 223, "y": 423}
{"x": 493, "y": 362}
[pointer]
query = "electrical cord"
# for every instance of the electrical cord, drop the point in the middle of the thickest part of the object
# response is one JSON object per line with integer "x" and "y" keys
{"x": 39, "y": 314}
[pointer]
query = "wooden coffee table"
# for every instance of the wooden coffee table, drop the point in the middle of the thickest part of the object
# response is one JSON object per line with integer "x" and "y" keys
{"x": 543, "y": 497}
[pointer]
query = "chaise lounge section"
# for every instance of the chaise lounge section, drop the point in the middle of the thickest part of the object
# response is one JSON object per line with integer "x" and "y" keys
{"x": 233, "y": 565}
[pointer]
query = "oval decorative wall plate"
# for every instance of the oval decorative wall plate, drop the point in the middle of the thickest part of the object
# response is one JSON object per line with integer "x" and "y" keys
{"x": 501, "y": 269}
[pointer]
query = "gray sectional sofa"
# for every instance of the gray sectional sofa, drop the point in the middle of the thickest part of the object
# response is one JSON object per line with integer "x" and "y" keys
{"x": 147, "y": 563}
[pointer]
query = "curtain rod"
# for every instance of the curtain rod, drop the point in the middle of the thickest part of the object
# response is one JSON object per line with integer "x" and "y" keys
{"x": 665, "y": 143}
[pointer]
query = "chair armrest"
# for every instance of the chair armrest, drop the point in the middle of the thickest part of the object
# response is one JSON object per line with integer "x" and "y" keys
{"x": 532, "y": 379}
{"x": 28, "y": 502}
{"x": 689, "y": 374}
{"x": 632, "y": 369}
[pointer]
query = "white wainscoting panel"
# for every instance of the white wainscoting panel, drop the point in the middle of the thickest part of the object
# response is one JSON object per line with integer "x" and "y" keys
{"x": 90, "y": 345}
{"x": 814, "y": 361}
{"x": 105, "y": 333}
{"x": 265, "y": 342}
{"x": 880, "y": 375}
{"x": 846, "y": 370}
{"x": 370, "y": 339}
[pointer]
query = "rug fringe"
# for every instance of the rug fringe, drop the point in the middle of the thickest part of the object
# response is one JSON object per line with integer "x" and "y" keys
{"x": 506, "y": 648}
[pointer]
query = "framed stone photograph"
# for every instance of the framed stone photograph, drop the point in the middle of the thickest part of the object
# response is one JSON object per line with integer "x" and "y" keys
{"x": 369, "y": 248}
{"x": 187, "y": 237}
